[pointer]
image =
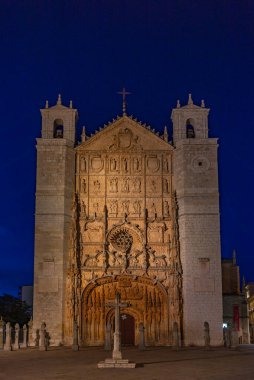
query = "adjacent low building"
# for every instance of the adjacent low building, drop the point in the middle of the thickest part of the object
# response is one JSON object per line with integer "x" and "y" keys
{"x": 235, "y": 307}
{"x": 249, "y": 291}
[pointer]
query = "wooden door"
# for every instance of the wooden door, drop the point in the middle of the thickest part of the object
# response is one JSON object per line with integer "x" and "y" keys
{"x": 127, "y": 330}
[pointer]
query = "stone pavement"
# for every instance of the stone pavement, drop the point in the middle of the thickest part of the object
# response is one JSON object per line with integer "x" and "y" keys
{"x": 153, "y": 364}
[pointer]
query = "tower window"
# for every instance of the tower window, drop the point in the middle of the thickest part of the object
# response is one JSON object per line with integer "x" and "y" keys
{"x": 190, "y": 131}
{"x": 58, "y": 129}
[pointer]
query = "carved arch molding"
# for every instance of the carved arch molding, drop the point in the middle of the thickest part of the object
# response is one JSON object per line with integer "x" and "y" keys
{"x": 148, "y": 304}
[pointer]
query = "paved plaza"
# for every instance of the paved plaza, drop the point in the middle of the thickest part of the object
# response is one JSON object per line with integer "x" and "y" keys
{"x": 153, "y": 364}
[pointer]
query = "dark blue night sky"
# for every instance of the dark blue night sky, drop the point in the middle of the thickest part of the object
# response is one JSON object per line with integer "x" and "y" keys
{"x": 160, "y": 51}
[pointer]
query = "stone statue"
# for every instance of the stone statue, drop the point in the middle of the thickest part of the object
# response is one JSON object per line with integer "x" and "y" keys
{"x": 207, "y": 335}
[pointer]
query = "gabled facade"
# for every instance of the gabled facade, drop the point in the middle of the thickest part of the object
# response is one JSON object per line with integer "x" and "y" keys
{"x": 125, "y": 211}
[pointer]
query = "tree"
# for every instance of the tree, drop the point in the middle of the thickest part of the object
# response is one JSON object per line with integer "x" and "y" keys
{"x": 13, "y": 310}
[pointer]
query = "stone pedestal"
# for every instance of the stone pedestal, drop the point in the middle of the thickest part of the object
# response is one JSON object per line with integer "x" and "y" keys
{"x": 16, "y": 344}
{"x": 24, "y": 344}
{"x": 42, "y": 344}
{"x": 8, "y": 346}
{"x": 116, "y": 363}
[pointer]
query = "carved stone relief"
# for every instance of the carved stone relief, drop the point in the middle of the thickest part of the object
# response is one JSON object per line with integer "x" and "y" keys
{"x": 113, "y": 185}
{"x": 83, "y": 185}
{"x": 96, "y": 185}
{"x": 166, "y": 209}
{"x": 113, "y": 207}
{"x": 153, "y": 164}
{"x": 156, "y": 232}
{"x": 136, "y": 185}
{"x": 136, "y": 164}
{"x": 113, "y": 164}
{"x": 126, "y": 185}
{"x": 165, "y": 185}
{"x": 96, "y": 164}
{"x": 93, "y": 231}
{"x": 125, "y": 140}
{"x": 137, "y": 207}
{"x": 125, "y": 207}
{"x": 125, "y": 165}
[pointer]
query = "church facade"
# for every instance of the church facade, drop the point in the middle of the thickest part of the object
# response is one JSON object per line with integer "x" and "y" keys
{"x": 126, "y": 211}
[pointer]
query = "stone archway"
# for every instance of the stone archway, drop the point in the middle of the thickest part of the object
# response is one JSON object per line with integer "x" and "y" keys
{"x": 149, "y": 305}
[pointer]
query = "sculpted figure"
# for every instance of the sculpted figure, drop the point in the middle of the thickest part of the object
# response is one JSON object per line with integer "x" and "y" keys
{"x": 113, "y": 164}
{"x": 166, "y": 208}
{"x": 126, "y": 185}
{"x": 137, "y": 185}
{"x": 113, "y": 185}
{"x": 97, "y": 185}
{"x": 83, "y": 164}
{"x": 125, "y": 165}
{"x": 136, "y": 164}
{"x": 83, "y": 207}
{"x": 137, "y": 207}
{"x": 153, "y": 184}
{"x": 113, "y": 207}
{"x": 165, "y": 185}
{"x": 84, "y": 185}
{"x": 125, "y": 207}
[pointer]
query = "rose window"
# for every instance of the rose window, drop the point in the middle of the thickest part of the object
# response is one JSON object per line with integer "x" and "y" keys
{"x": 122, "y": 240}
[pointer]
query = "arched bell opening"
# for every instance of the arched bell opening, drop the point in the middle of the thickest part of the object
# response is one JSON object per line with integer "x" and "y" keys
{"x": 190, "y": 129}
{"x": 58, "y": 131}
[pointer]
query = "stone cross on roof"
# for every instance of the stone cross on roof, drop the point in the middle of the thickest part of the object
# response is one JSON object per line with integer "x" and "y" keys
{"x": 124, "y": 93}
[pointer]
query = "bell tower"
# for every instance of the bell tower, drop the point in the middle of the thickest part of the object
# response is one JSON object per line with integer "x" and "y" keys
{"x": 54, "y": 192}
{"x": 196, "y": 184}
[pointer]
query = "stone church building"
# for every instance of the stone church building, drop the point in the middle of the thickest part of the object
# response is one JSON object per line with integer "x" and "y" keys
{"x": 127, "y": 211}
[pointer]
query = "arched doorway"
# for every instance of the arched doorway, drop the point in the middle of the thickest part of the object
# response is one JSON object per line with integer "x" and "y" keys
{"x": 148, "y": 306}
{"x": 127, "y": 326}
